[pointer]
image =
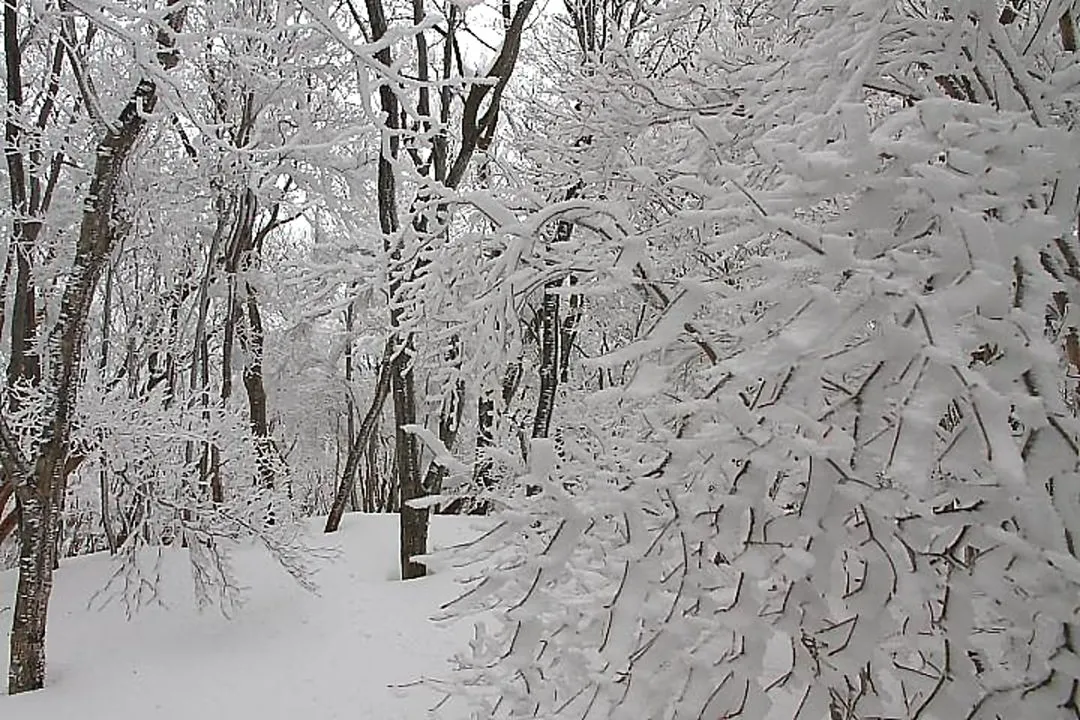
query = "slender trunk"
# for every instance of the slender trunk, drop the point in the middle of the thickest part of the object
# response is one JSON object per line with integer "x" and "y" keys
{"x": 209, "y": 477}
{"x": 555, "y": 341}
{"x": 449, "y": 422}
{"x": 22, "y": 365}
{"x": 350, "y": 403}
{"x": 485, "y": 438}
{"x": 375, "y": 498}
{"x": 244, "y": 319}
{"x": 485, "y": 423}
{"x": 548, "y": 372}
{"x": 103, "y": 364}
{"x": 564, "y": 232}
{"x": 358, "y": 443}
{"x": 228, "y": 340}
{"x": 549, "y": 361}
{"x": 477, "y": 130}
{"x": 237, "y": 253}
{"x": 413, "y": 527}
{"x": 569, "y": 332}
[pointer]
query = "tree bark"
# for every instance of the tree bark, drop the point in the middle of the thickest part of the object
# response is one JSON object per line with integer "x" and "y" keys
{"x": 414, "y": 521}
{"x": 555, "y": 338}
{"x": 40, "y": 487}
{"x": 359, "y": 442}
{"x": 380, "y": 496}
{"x": 37, "y": 557}
{"x": 485, "y": 438}
{"x": 8, "y": 524}
{"x": 244, "y": 320}
{"x": 9, "y": 521}
{"x": 22, "y": 365}
{"x": 549, "y": 361}
{"x": 256, "y": 391}
{"x": 353, "y": 503}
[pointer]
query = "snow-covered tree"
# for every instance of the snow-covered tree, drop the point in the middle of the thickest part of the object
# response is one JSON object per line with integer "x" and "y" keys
{"x": 120, "y": 219}
{"x": 838, "y": 478}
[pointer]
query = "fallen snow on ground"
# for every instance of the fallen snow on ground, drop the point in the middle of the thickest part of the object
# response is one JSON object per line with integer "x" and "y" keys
{"x": 284, "y": 654}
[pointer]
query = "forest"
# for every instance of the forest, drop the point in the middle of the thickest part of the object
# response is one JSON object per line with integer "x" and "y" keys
{"x": 749, "y": 328}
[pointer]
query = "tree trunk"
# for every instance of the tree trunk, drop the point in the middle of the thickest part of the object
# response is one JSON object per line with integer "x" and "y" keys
{"x": 103, "y": 365}
{"x": 22, "y": 365}
{"x": 8, "y": 523}
{"x": 256, "y": 391}
{"x": 549, "y": 361}
{"x": 414, "y": 521}
{"x": 7, "y": 489}
{"x": 477, "y": 129}
{"x": 485, "y": 438}
{"x": 243, "y": 313}
{"x": 40, "y": 488}
{"x": 554, "y": 360}
{"x": 359, "y": 442}
{"x": 569, "y": 332}
{"x": 39, "y": 529}
{"x": 27, "y": 671}
{"x": 350, "y": 403}
{"x": 376, "y": 499}
{"x": 209, "y": 477}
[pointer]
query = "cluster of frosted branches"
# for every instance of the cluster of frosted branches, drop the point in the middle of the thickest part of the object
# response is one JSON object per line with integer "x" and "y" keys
{"x": 858, "y": 502}
{"x": 145, "y": 454}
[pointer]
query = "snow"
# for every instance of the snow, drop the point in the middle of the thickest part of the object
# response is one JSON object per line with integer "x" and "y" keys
{"x": 285, "y": 653}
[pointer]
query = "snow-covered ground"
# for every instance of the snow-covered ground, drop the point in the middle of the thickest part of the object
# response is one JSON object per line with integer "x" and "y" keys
{"x": 284, "y": 654}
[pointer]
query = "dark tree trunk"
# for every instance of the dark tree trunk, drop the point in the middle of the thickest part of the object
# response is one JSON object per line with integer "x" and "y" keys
{"x": 414, "y": 521}
{"x": 103, "y": 365}
{"x": 350, "y": 404}
{"x": 256, "y": 392}
{"x": 549, "y": 361}
{"x": 477, "y": 129}
{"x": 243, "y": 321}
{"x": 485, "y": 438}
{"x": 449, "y": 422}
{"x": 209, "y": 478}
{"x": 360, "y": 442}
{"x": 40, "y": 487}
{"x": 237, "y": 257}
{"x": 378, "y": 495}
{"x": 36, "y": 551}
{"x": 569, "y": 332}
{"x": 22, "y": 365}
{"x": 555, "y": 340}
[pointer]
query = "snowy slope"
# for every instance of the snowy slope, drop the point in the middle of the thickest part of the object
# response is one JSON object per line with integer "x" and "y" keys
{"x": 284, "y": 654}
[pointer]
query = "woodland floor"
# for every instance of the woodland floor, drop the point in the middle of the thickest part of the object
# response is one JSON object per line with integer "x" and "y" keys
{"x": 285, "y": 653}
